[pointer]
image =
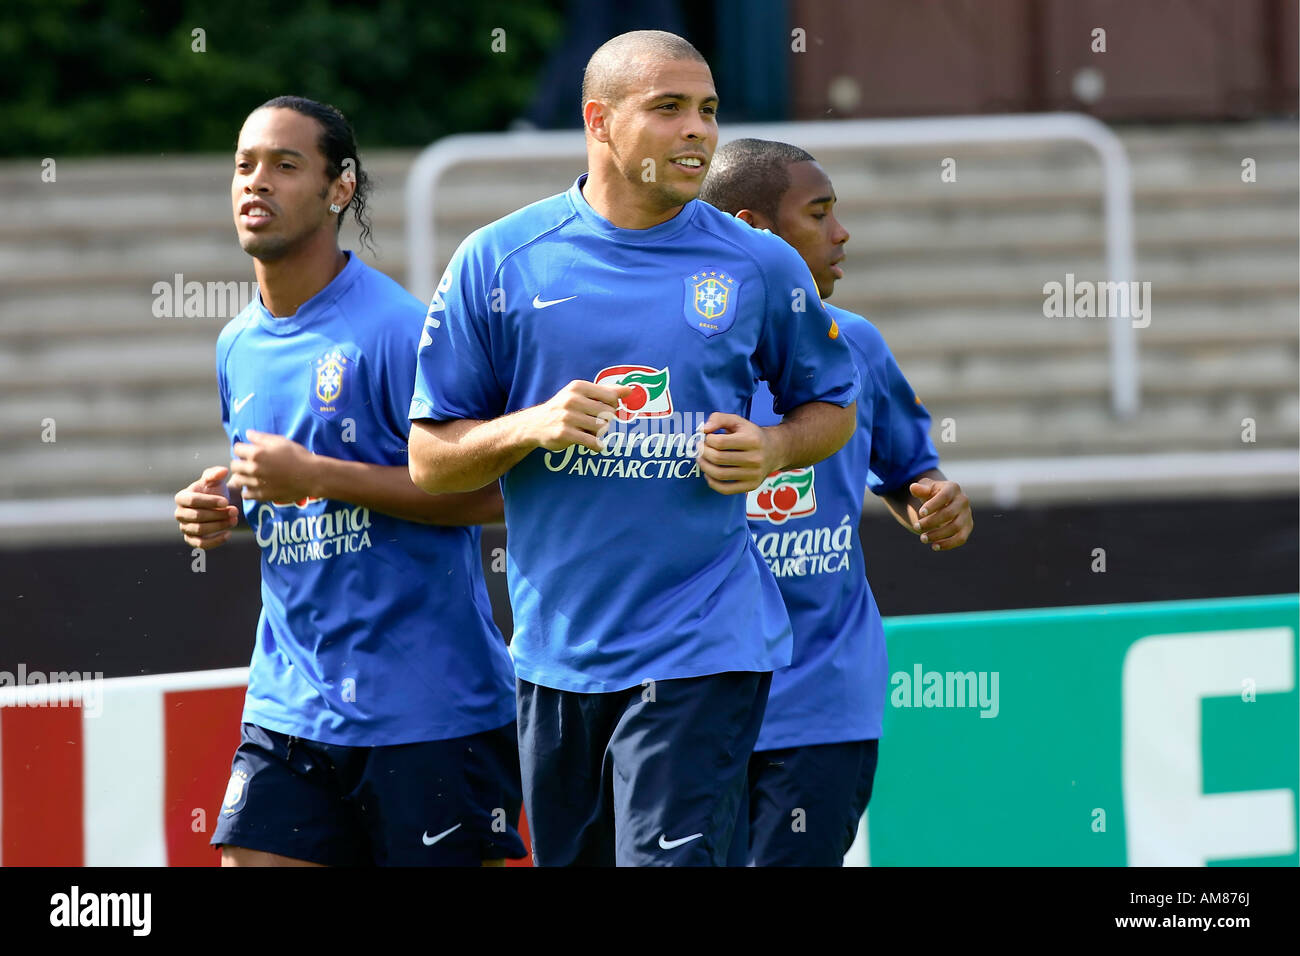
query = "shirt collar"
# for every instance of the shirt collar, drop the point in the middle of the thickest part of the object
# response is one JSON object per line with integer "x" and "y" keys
{"x": 603, "y": 227}
{"x": 321, "y": 302}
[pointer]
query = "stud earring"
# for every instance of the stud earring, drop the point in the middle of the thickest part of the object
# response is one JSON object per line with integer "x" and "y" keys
{"x": 335, "y": 208}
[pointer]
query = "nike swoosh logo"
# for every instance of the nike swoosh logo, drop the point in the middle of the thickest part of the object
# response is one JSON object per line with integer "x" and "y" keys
{"x": 430, "y": 841}
{"x": 540, "y": 303}
{"x": 670, "y": 844}
{"x": 238, "y": 405}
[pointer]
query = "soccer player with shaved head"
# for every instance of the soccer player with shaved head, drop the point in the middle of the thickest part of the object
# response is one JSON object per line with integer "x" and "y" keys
{"x": 597, "y": 353}
{"x": 818, "y": 746}
{"x": 378, "y": 727}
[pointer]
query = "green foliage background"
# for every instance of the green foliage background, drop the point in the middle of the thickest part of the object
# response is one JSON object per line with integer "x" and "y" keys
{"x": 120, "y": 77}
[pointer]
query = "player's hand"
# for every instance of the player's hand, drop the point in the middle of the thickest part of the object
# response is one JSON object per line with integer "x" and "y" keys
{"x": 272, "y": 468}
{"x": 944, "y": 521}
{"x": 737, "y": 454}
{"x": 204, "y": 512}
{"x": 577, "y": 414}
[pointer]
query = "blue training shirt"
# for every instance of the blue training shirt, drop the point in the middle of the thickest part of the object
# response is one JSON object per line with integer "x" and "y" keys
{"x": 805, "y": 524}
{"x": 374, "y": 630}
{"x": 623, "y": 565}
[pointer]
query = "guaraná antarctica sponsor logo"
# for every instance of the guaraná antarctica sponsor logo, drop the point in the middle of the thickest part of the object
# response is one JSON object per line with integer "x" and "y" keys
{"x": 791, "y": 494}
{"x": 316, "y": 537}
{"x": 800, "y": 552}
{"x": 650, "y": 397}
{"x": 783, "y": 495}
{"x": 648, "y": 438}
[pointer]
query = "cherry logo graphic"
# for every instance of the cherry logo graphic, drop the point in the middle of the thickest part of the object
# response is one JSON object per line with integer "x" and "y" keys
{"x": 636, "y": 399}
{"x": 300, "y": 503}
{"x": 650, "y": 396}
{"x": 783, "y": 495}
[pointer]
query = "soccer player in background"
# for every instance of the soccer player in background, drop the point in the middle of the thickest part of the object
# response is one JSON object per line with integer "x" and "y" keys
{"x": 597, "y": 351}
{"x": 379, "y": 725}
{"x": 817, "y": 749}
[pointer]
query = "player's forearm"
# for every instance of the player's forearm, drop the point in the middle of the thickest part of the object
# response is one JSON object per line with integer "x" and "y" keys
{"x": 810, "y": 433}
{"x": 461, "y": 456}
{"x": 389, "y": 489}
{"x": 904, "y": 505}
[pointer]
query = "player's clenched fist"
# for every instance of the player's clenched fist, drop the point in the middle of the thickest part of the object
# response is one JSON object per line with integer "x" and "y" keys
{"x": 737, "y": 454}
{"x": 204, "y": 512}
{"x": 944, "y": 521}
{"x": 272, "y": 468}
{"x": 577, "y": 414}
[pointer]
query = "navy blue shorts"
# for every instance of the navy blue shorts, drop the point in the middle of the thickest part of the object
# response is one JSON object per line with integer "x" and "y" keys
{"x": 649, "y": 776}
{"x": 804, "y": 803}
{"x": 438, "y": 803}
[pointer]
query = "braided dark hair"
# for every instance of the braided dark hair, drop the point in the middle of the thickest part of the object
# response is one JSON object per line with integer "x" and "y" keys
{"x": 339, "y": 146}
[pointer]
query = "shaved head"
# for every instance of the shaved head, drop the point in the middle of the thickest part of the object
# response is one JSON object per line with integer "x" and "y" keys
{"x": 650, "y": 111}
{"x": 624, "y": 59}
{"x": 751, "y": 174}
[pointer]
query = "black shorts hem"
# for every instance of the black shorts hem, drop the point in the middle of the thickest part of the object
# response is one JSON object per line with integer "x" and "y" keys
{"x": 239, "y": 841}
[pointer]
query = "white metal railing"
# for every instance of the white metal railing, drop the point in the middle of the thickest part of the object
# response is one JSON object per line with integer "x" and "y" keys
{"x": 422, "y": 186}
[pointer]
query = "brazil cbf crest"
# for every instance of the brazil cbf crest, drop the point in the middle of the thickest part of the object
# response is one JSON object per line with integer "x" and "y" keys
{"x": 710, "y": 306}
{"x": 330, "y": 381}
{"x": 236, "y": 791}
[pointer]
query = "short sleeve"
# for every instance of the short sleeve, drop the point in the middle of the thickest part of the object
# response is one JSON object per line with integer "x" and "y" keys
{"x": 397, "y": 372}
{"x": 223, "y": 387}
{"x": 901, "y": 447}
{"x": 454, "y": 374}
{"x": 801, "y": 354}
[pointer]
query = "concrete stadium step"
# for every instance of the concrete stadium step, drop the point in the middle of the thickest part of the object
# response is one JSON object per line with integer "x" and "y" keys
{"x": 458, "y": 215}
{"x": 198, "y": 256}
{"x": 904, "y": 226}
{"x": 1059, "y": 197}
{"x": 969, "y": 203}
{"x": 96, "y": 466}
{"x": 1273, "y": 321}
{"x": 1045, "y": 176}
{"x": 1069, "y": 247}
{"x": 154, "y": 362}
{"x": 138, "y": 192}
{"x": 1144, "y": 145}
{"x": 1016, "y": 432}
{"x": 952, "y": 273}
{"x": 123, "y": 303}
{"x": 1244, "y": 248}
{"x": 54, "y": 311}
{"x": 875, "y": 300}
{"x": 959, "y": 379}
{"x": 961, "y": 229}
{"x": 128, "y": 413}
{"x": 197, "y": 188}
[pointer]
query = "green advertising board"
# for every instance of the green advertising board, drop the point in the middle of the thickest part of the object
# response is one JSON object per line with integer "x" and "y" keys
{"x": 1135, "y": 734}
